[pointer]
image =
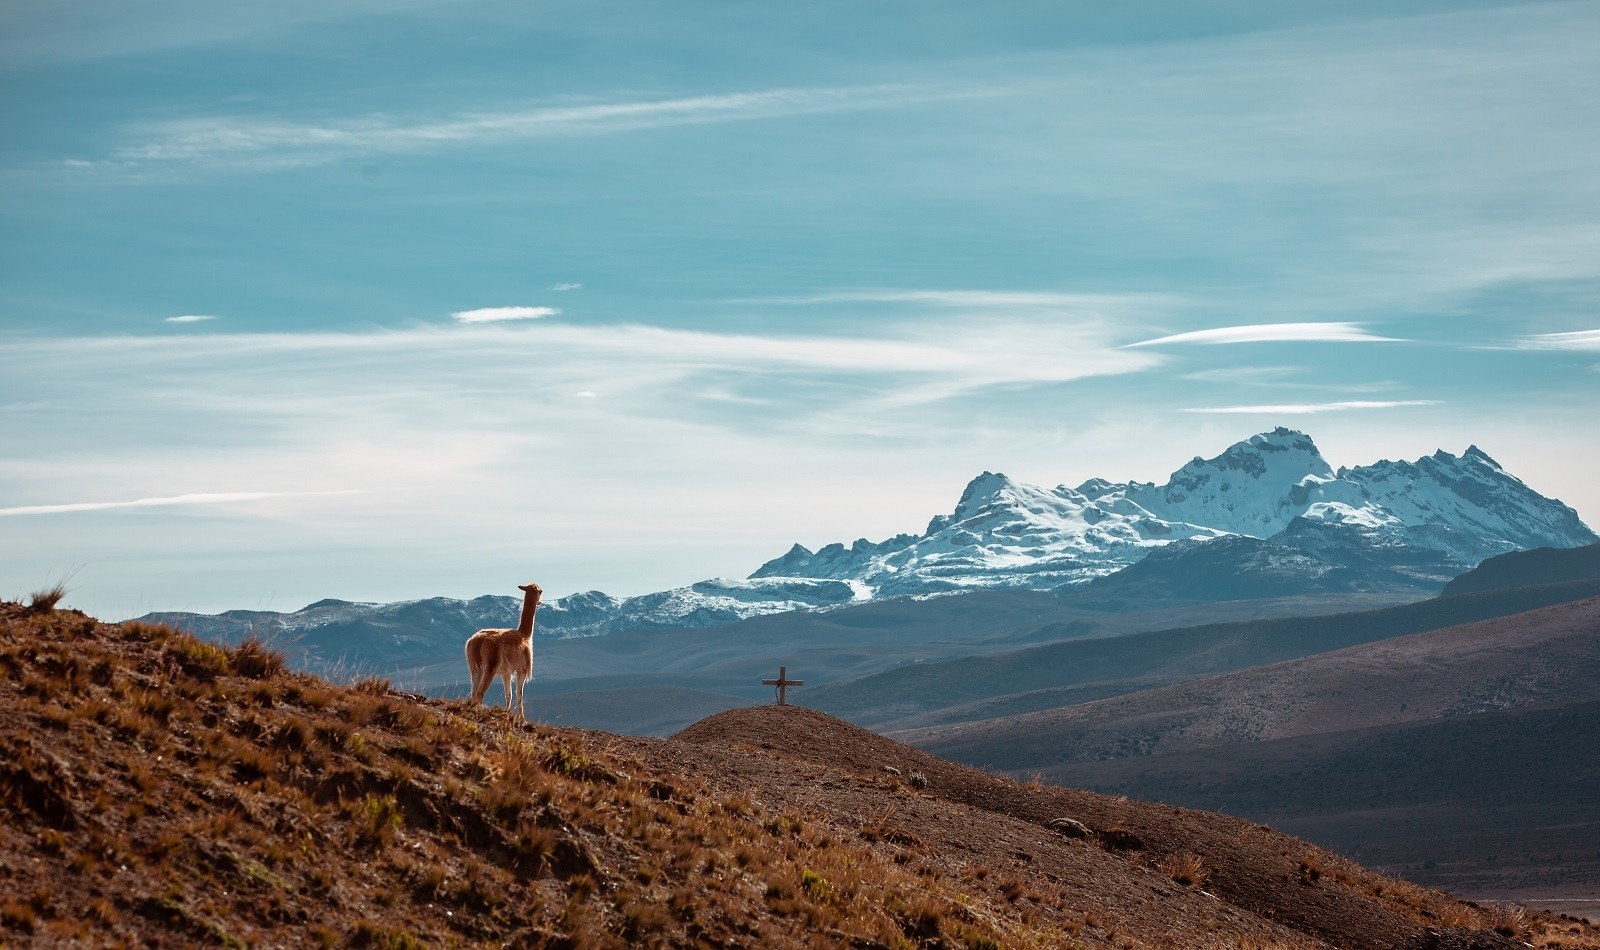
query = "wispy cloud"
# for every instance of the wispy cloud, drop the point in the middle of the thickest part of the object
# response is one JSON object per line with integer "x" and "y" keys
{"x": 270, "y": 142}
{"x": 1275, "y": 333}
{"x": 1587, "y": 341}
{"x": 1245, "y": 375}
{"x": 563, "y": 288}
{"x": 1283, "y": 377}
{"x": 971, "y": 298}
{"x": 191, "y": 318}
{"x": 903, "y": 364}
{"x": 1295, "y": 409}
{"x": 202, "y": 498}
{"x": 502, "y": 314}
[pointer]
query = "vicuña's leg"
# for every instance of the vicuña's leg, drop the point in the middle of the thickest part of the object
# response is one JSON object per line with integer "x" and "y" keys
{"x": 506, "y": 677}
{"x": 522, "y": 711}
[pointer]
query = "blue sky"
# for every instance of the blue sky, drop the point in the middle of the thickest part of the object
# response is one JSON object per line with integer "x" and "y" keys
{"x": 393, "y": 299}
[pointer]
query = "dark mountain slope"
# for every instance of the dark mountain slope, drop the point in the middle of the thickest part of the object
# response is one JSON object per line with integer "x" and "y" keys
{"x": 1499, "y": 805}
{"x": 1546, "y": 656}
{"x": 1161, "y": 656}
{"x": 1529, "y": 569}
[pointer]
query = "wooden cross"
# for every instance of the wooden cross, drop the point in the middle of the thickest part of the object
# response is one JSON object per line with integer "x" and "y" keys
{"x": 783, "y": 682}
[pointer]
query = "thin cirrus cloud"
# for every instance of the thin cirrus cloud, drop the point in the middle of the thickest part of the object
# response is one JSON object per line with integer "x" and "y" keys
{"x": 191, "y": 318}
{"x": 286, "y": 143}
{"x": 1296, "y": 409}
{"x": 504, "y": 314}
{"x": 564, "y": 287}
{"x": 1585, "y": 341}
{"x": 199, "y": 498}
{"x": 899, "y": 366}
{"x": 1275, "y": 333}
{"x": 970, "y": 298}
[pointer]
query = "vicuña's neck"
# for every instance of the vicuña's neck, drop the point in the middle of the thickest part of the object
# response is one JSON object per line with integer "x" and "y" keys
{"x": 525, "y": 625}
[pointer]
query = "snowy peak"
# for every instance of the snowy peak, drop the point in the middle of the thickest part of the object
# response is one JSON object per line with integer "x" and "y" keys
{"x": 983, "y": 491}
{"x": 1005, "y": 533}
{"x": 1467, "y": 504}
{"x": 1255, "y": 487}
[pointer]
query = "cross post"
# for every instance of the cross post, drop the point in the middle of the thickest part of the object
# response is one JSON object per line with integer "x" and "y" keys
{"x": 783, "y": 682}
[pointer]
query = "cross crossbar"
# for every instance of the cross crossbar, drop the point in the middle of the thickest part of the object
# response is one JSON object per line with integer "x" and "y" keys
{"x": 783, "y": 682}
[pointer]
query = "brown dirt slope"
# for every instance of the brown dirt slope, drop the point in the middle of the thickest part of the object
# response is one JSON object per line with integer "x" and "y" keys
{"x": 157, "y": 790}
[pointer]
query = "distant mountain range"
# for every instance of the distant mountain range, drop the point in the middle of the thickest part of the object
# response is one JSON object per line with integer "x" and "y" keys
{"x": 1449, "y": 509}
{"x": 1266, "y": 518}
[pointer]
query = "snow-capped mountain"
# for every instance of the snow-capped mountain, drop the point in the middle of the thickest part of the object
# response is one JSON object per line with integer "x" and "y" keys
{"x": 1002, "y": 533}
{"x": 1368, "y": 527}
{"x": 1006, "y": 534}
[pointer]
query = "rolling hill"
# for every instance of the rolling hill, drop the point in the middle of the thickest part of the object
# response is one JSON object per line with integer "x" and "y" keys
{"x": 1057, "y": 674}
{"x": 161, "y": 789}
{"x": 1533, "y": 568}
{"x": 1542, "y": 657}
{"x": 1462, "y": 756}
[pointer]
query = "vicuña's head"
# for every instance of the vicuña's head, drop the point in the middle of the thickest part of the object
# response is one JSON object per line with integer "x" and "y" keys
{"x": 533, "y": 589}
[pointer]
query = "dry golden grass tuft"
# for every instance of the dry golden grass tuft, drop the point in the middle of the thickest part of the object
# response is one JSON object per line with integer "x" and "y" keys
{"x": 1185, "y": 868}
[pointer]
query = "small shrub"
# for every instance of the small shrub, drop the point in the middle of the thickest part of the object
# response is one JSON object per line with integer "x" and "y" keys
{"x": 574, "y": 763}
{"x": 375, "y": 819}
{"x": 251, "y": 765}
{"x": 1507, "y": 920}
{"x": 294, "y": 734}
{"x": 157, "y": 705}
{"x": 817, "y": 887}
{"x": 255, "y": 659}
{"x": 44, "y": 601}
{"x": 535, "y": 845}
{"x": 430, "y": 883}
{"x": 1185, "y": 868}
{"x": 645, "y": 917}
{"x": 1310, "y": 869}
{"x": 369, "y": 934}
{"x": 101, "y": 911}
{"x": 198, "y": 658}
{"x": 918, "y": 780}
{"x": 372, "y": 686}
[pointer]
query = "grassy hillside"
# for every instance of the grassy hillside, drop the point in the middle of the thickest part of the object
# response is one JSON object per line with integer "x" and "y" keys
{"x": 161, "y": 790}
